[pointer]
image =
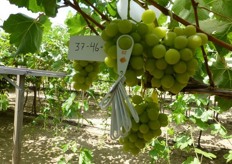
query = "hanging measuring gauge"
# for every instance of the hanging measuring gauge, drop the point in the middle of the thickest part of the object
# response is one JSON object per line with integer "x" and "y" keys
{"x": 117, "y": 96}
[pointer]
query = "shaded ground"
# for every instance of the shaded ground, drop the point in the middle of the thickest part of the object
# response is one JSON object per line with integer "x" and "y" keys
{"x": 42, "y": 144}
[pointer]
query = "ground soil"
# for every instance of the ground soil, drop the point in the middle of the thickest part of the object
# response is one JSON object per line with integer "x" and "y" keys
{"x": 42, "y": 141}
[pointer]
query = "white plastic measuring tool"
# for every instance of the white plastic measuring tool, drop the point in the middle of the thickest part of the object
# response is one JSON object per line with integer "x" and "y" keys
{"x": 117, "y": 97}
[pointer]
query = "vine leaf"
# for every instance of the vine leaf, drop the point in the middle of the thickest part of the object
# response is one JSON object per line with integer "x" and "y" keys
{"x": 205, "y": 154}
{"x": 223, "y": 7}
{"x": 75, "y": 24}
{"x": 25, "y": 32}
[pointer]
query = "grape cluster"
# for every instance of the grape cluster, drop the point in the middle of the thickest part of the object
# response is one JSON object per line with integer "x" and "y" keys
{"x": 148, "y": 127}
{"x": 85, "y": 73}
{"x": 167, "y": 55}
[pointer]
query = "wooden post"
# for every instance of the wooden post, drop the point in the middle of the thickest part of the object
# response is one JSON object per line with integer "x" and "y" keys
{"x": 18, "y": 120}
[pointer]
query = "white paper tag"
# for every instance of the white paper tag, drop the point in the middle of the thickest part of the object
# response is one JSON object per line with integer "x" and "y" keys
{"x": 123, "y": 56}
{"x": 88, "y": 48}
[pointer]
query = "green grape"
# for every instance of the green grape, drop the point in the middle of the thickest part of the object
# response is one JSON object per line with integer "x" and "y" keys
{"x": 180, "y": 67}
{"x": 155, "y": 83}
{"x": 142, "y": 28}
{"x": 124, "y": 26}
{"x": 167, "y": 81}
{"x": 158, "y": 51}
{"x": 104, "y": 36}
{"x": 177, "y": 87}
{"x": 136, "y": 37}
{"x": 89, "y": 68}
{"x": 190, "y": 30}
{"x": 192, "y": 66}
{"x": 172, "y": 56}
{"x": 144, "y": 117}
{"x": 125, "y": 42}
{"x": 137, "y": 99}
{"x": 163, "y": 119}
{"x": 107, "y": 45}
{"x": 135, "y": 150}
{"x": 132, "y": 137}
{"x": 110, "y": 62}
{"x": 161, "y": 64}
{"x": 160, "y": 32}
{"x": 157, "y": 132}
{"x": 137, "y": 49}
{"x": 131, "y": 78}
{"x": 148, "y": 16}
{"x": 169, "y": 38}
{"x": 143, "y": 128}
{"x": 112, "y": 52}
{"x": 182, "y": 78}
{"x": 179, "y": 31}
{"x": 154, "y": 124}
{"x": 76, "y": 86}
{"x": 111, "y": 29}
{"x": 148, "y": 136}
{"x": 151, "y": 39}
{"x": 83, "y": 63}
{"x": 140, "y": 108}
{"x": 158, "y": 74}
{"x": 180, "y": 42}
{"x": 137, "y": 62}
{"x": 140, "y": 143}
{"x": 186, "y": 54}
{"x": 152, "y": 113}
{"x": 139, "y": 72}
{"x": 169, "y": 70}
{"x": 194, "y": 41}
{"x": 135, "y": 126}
{"x": 203, "y": 36}
{"x": 150, "y": 65}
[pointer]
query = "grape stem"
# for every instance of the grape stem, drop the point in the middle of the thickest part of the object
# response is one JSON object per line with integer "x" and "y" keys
{"x": 195, "y": 5}
{"x": 184, "y": 22}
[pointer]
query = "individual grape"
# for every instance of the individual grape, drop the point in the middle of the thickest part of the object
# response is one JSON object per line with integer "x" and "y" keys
{"x": 152, "y": 113}
{"x": 161, "y": 64}
{"x": 125, "y": 42}
{"x": 137, "y": 49}
{"x": 157, "y": 132}
{"x": 150, "y": 65}
{"x": 135, "y": 150}
{"x": 154, "y": 124}
{"x": 203, "y": 36}
{"x": 142, "y": 28}
{"x": 135, "y": 125}
{"x": 140, "y": 108}
{"x": 194, "y": 41}
{"x": 151, "y": 39}
{"x": 180, "y": 42}
{"x": 110, "y": 62}
{"x": 143, "y": 128}
{"x": 89, "y": 68}
{"x": 179, "y": 31}
{"x": 140, "y": 143}
{"x": 158, "y": 74}
{"x": 83, "y": 63}
{"x": 148, "y": 16}
{"x": 158, "y": 51}
{"x": 112, "y": 52}
{"x": 160, "y": 32}
{"x": 137, "y": 99}
{"x": 137, "y": 62}
{"x": 192, "y": 66}
{"x": 177, "y": 87}
{"x": 132, "y": 137}
{"x": 163, "y": 119}
{"x": 169, "y": 38}
{"x": 190, "y": 30}
{"x": 111, "y": 29}
{"x": 104, "y": 36}
{"x": 148, "y": 136}
{"x": 131, "y": 78}
{"x": 76, "y": 65}
{"x": 107, "y": 45}
{"x": 186, "y": 54}
{"x": 182, "y": 78}
{"x": 144, "y": 117}
{"x": 172, "y": 56}
{"x": 124, "y": 26}
{"x": 180, "y": 67}
{"x": 167, "y": 81}
{"x": 136, "y": 37}
{"x": 155, "y": 83}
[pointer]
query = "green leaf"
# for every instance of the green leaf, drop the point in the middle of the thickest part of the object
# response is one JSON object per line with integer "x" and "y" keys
{"x": 218, "y": 129}
{"x": 75, "y": 24}
{"x": 179, "y": 118}
{"x": 25, "y": 32}
{"x": 223, "y": 8}
{"x": 224, "y": 103}
{"x": 111, "y": 8}
{"x": 50, "y": 7}
{"x": 192, "y": 160}
{"x": 183, "y": 141}
{"x": 85, "y": 156}
{"x": 228, "y": 156}
{"x": 205, "y": 154}
{"x": 200, "y": 124}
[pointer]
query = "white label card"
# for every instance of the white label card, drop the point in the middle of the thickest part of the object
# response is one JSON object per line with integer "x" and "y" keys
{"x": 86, "y": 48}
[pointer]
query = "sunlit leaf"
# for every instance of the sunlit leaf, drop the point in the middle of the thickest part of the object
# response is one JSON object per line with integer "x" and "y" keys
{"x": 204, "y": 153}
{"x": 183, "y": 141}
{"x": 228, "y": 156}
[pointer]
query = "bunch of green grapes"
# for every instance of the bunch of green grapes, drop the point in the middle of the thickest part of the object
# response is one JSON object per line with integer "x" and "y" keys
{"x": 85, "y": 73}
{"x": 148, "y": 127}
{"x": 172, "y": 61}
